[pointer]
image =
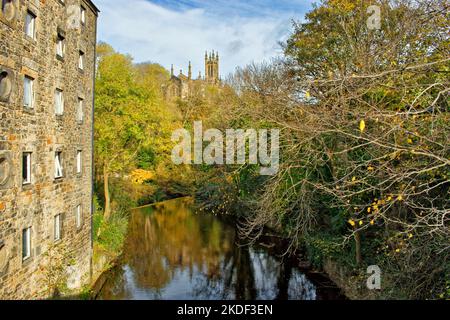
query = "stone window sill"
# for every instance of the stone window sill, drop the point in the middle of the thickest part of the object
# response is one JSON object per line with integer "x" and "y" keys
{"x": 26, "y": 261}
{"x": 58, "y": 180}
{"x": 29, "y": 110}
{"x": 30, "y": 40}
{"x": 27, "y": 186}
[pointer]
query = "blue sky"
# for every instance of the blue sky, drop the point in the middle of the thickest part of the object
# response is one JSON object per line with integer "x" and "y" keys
{"x": 176, "y": 31}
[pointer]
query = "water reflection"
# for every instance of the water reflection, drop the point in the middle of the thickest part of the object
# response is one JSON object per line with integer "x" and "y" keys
{"x": 174, "y": 253}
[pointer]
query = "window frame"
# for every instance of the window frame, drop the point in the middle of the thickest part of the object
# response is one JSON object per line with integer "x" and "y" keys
{"x": 59, "y": 165}
{"x": 28, "y": 156}
{"x": 79, "y": 216}
{"x": 59, "y": 102}
{"x": 80, "y": 110}
{"x": 81, "y": 56}
{"x": 79, "y": 162}
{"x": 30, "y": 93}
{"x": 57, "y": 227}
{"x": 83, "y": 15}
{"x": 26, "y": 245}
{"x": 32, "y": 22}
{"x": 60, "y": 46}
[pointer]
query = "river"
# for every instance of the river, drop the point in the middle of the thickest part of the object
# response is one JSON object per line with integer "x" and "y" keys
{"x": 173, "y": 252}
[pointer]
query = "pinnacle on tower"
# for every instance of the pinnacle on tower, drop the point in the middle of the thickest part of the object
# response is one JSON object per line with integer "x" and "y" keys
{"x": 190, "y": 71}
{"x": 171, "y": 71}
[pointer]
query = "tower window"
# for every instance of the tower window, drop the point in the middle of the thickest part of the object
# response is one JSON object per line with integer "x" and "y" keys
{"x": 57, "y": 228}
{"x": 26, "y": 243}
{"x": 28, "y": 92}
{"x": 58, "y": 165}
{"x": 26, "y": 168}
{"x": 30, "y": 25}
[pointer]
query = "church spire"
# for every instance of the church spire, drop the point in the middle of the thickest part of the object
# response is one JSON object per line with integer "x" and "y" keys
{"x": 171, "y": 71}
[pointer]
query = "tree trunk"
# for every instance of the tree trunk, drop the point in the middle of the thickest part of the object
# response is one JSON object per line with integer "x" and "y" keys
{"x": 107, "y": 213}
{"x": 358, "y": 248}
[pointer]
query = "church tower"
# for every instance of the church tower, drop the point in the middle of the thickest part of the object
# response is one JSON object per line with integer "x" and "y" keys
{"x": 212, "y": 67}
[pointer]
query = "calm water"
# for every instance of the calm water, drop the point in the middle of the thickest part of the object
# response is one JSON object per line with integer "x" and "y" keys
{"x": 174, "y": 253}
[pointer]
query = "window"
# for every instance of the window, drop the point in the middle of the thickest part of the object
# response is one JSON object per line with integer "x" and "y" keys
{"x": 5, "y": 4}
{"x": 80, "y": 114}
{"x": 81, "y": 61}
{"x": 57, "y": 228}
{"x": 59, "y": 102}
{"x": 78, "y": 216}
{"x": 28, "y": 92}
{"x": 83, "y": 15}
{"x": 58, "y": 165}
{"x": 60, "y": 46}
{"x": 5, "y": 86}
{"x": 30, "y": 25}
{"x": 26, "y": 168}
{"x": 79, "y": 161}
{"x": 26, "y": 243}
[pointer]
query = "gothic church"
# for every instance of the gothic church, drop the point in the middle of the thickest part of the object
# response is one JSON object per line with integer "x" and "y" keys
{"x": 182, "y": 86}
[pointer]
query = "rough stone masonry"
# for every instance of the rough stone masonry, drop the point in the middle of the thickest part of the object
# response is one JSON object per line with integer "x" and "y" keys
{"x": 47, "y": 65}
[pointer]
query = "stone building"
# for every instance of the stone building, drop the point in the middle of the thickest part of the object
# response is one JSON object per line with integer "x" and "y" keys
{"x": 47, "y": 65}
{"x": 182, "y": 86}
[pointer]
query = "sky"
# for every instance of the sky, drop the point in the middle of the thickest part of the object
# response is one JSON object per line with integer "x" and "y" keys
{"x": 176, "y": 32}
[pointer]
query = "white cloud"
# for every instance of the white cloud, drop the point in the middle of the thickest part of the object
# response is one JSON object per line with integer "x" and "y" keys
{"x": 151, "y": 32}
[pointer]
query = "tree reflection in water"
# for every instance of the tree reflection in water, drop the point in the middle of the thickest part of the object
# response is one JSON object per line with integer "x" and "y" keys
{"x": 172, "y": 252}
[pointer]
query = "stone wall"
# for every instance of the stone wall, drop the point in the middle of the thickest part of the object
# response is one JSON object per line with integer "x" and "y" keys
{"x": 40, "y": 131}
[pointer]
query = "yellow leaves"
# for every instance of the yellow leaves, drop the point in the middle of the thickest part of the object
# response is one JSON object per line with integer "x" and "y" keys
{"x": 372, "y": 222}
{"x": 395, "y": 155}
{"x": 400, "y": 198}
{"x": 353, "y": 179}
{"x": 410, "y": 141}
{"x": 308, "y": 95}
{"x": 352, "y": 223}
{"x": 369, "y": 210}
{"x": 410, "y": 236}
{"x": 140, "y": 176}
{"x": 370, "y": 168}
{"x": 362, "y": 126}
{"x": 389, "y": 198}
{"x": 361, "y": 223}
{"x": 397, "y": 250}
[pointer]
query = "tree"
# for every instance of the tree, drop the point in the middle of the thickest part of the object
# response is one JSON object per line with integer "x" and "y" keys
{"x": 365, "y": 154}
{"x": 130, "y": 115}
